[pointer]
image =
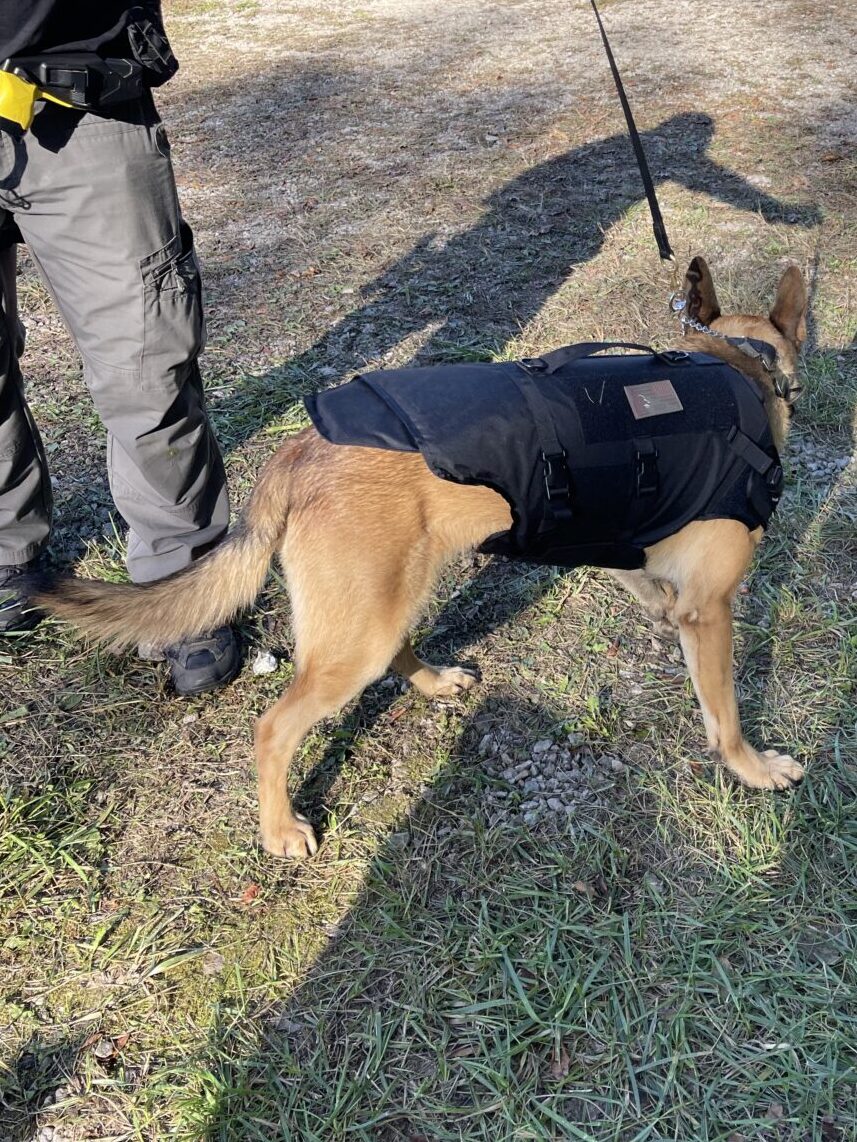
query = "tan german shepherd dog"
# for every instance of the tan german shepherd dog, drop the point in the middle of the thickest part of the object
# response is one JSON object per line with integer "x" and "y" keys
{"x": 363, "y": 534}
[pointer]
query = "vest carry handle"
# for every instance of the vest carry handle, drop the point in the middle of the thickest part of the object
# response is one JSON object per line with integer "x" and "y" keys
{"x": 550, "y": 362}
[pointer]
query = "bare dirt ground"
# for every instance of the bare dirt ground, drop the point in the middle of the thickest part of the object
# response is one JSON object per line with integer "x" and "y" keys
{"x": 539, "y": 912}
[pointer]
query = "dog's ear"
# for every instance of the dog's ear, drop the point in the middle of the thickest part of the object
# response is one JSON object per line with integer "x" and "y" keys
{"x": 702, "y": 304}
{"x": 789, "y": 312}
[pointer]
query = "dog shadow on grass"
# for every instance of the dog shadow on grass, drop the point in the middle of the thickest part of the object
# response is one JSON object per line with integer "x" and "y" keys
{"x": 801, "y": 536}
{"x": 284, "y": 1079}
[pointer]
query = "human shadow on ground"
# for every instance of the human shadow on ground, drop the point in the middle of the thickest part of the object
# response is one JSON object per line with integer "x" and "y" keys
{"x": 474, "y": 985}
{"x": 482, "y": 286}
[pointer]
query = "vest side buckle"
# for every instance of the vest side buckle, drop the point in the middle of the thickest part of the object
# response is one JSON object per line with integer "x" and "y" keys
{"x": 557, "y": 484}
{"x": 647, "y": 472}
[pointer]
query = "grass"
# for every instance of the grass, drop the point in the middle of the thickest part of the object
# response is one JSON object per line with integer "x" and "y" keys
{"x": 569, "y": 990}
{"x": 673, "y": 961}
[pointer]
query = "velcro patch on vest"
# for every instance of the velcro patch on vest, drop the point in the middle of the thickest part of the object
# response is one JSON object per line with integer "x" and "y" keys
{"x": 656, "y": 398}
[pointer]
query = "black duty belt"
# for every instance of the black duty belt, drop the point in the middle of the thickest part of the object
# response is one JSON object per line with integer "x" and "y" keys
{"x": 86, "y": 81}
{"x": 82, "y": 80}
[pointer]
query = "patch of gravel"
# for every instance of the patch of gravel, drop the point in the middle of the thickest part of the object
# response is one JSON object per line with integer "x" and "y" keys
{"x": 554, "y": 780}
{"x": 819, "y": 460}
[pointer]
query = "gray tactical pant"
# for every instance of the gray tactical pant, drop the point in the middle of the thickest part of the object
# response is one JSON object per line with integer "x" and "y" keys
{"x": 95, "y": 201}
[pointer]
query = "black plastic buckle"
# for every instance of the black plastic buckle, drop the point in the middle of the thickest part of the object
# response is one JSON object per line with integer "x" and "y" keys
{"x": 72, "y": 79}
{"x": 791, "y": 392}
{"x": 647, "y": 473}
{"x": 674, "y": 356}
{"x": 533, "y": 364}
{"x": 557, "y": 485}
{"x": 774, "y": 479}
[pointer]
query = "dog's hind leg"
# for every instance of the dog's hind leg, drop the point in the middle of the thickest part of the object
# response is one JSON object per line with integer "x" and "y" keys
{"x": 322, "y": 686}
{"x": 352, "y": 603}
{"x": 433, "y": 681}
{"x": 708, "y": 566}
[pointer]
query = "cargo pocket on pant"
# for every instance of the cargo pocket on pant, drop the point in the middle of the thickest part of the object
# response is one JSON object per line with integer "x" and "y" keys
{"x": 173, "y": 320}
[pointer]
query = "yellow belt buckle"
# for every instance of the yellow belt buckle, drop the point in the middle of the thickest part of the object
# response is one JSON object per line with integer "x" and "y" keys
{"x": 53, "y": 99}
{"x": 18, "y": 99}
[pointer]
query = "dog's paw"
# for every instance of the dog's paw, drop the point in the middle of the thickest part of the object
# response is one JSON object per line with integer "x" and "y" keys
{"x": 768, "y": 770}
{"x": 450, "y": 681}
{"x": 296, "y": 839}
{"x": 783, "y": 771}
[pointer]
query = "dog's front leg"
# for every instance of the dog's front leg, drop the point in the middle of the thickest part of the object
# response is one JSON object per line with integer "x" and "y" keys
{"x": 705, "y": 630}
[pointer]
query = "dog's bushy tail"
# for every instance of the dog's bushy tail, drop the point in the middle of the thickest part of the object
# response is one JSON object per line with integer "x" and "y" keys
{"x": 201, "y": 597}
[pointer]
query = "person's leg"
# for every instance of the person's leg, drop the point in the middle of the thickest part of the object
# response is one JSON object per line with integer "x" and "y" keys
{"x": 103, "y": 225}
{"x": 104, "y": 228}
{"x": 25, "y": 490}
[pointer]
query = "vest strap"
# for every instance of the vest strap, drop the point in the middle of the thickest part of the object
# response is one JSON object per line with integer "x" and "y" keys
{"x": 556, "y": 358}
{"x": 756, "y": 457}
{"x": 555, "y": 474}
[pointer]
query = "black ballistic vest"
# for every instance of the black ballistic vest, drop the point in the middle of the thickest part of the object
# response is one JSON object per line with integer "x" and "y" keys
{"x": 597, "y": 456}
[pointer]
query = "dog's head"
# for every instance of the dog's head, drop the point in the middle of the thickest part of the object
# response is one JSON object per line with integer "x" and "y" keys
{"x": 784, "y": 329}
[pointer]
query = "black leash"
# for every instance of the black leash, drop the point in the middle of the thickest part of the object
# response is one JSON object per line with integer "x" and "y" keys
{"x": 664, "y": 248}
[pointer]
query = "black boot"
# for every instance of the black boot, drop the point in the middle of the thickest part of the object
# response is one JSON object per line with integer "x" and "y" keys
{"x": 16, "y": 614}
{"x": 205, "y": 662}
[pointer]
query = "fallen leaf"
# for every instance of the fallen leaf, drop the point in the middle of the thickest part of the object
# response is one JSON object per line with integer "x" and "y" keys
{"x": 121, "y": 1040}
{"x": 250, "y": 893}
{"x": 600, "y": 885}
{"x": 560, "y": 1064}
{"x": 775, "y": 1111}
{"x": 69, "y": 700}
{"x": 14, "y": 715}
{"x": 583, "y": 888}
